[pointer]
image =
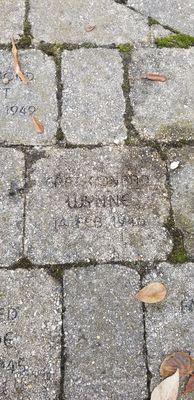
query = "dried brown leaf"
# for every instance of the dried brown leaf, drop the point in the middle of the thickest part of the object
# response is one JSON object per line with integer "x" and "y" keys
{"x": 16, "y": 63}
{"x": 151, "y": 76}
{"x": 38, "y": 125}
{"x": 152, "y": 293}
{"x": 190, "y": 385}
{"x": 178, "y": 360}
{"x": 167, "y": 389}
{"x": 89, "y": 28}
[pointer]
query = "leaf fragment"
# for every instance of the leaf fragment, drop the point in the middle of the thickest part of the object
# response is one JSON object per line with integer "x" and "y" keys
{"x": 16, "y": 63}
{"x": 152, "y": 293}
{"x": 178, "y": 360}
{"x": 90, "y": 28}
{"x": 167, "y": 389}
{"x": 151, "y": 76}
{"x": 38, "y": 125}
{"x": 190, "y": 385}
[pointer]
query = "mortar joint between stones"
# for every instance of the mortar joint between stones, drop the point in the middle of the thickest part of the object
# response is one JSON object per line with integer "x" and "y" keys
{"x": 178, "y": 253}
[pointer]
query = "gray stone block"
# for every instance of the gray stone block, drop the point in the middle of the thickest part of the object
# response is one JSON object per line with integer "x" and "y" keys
{"x": 103, "y": 327}
{"x": 11, "y": 205}
{"x": 19, "y": 102}
{"x": 182, "y": 184}
{"x": 12, "y": 17}
{"x": 67, "y": 22}
{"x": 103, "y": 204}
{"x": 93, "y": 101}
{"x": 174, "y": 13}
{"x": 163, "y": 110}
{"x": 170, "y": 324}
{"x": 30, "y": 329}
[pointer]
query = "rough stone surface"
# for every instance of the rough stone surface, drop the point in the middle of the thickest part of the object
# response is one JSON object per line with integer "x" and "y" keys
{"x": 59, "y": 21}
{"x": 157, "y": 31}
{"x": 11, "y": 205}
{"x": 19, "y": 101}
{"x": 182, "y": 183}
{"x": 163, "y": 110}
{"x": 176, "y": 14}
{"x": 11, "y": 22}
{"x": 30, "y": 328}
{"x": 93, "y": 101}
{"x": 169, "y": 324}
{"x": 103, "y": 327}
{"x": 102, "y": 204}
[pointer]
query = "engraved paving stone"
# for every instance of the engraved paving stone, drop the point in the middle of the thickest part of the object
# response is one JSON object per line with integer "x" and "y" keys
{"x": 11, "y": 205}
{"x": 93, "y": 101}
{"x": 94, "y": 21}
{"x": 176, "y": 14}
{"x": 182, "y": 184}
{"x": 103, "y": 327}
{"x": 30, "y": 327}
{"x": 11, "y": 21}
{"x": 163, "y": 110}
{"x": 19, "y": 102}
{"x": 102, "y": 204}
{"x": 170, "y": 324}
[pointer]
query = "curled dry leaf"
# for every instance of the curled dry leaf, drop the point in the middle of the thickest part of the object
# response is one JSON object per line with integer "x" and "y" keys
{"x": 152, "y": 293}
{"x": 151, "y": 76}
{"x": 167, "y": 389}
{"x": 16, "y": 64}
{"x": 38, "y": 125}
{"x": 190, "y": 385}
{"x": 89, "y": 28}
{"x": 179, "y": 360}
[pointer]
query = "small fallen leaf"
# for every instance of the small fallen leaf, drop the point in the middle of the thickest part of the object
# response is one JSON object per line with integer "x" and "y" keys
{"x": 190, "y": 385}
{"x": 38, "y": 125}
{"x": 152, "y": 293}
{"x": 178, "y": 360}
{"x": 17, "y": 68}
{"x": 167, "y": 389}
{"x": 151, "y": 76}
{"x": 89, "y": 28}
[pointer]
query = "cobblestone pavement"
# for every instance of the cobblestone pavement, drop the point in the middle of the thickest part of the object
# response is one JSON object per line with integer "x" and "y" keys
{"x": 99, "y": 204}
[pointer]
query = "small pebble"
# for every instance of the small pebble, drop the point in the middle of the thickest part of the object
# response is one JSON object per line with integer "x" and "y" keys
{"x": 5, "y": 81}
{"x": 174, "y": 165}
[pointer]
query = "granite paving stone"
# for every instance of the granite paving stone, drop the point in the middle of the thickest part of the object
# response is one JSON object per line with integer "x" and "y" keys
{"x": 170, "y": 324}
{"x": 19, "y": 102}
{"x": 163, "y": 111}
{"x": 68, "y": 22}
{"x": 102, "y": 204}
{"x": 103, "y": 326}
{"x": 93, "y": 101}
{"x": 11, "y": 22}
{"x": 177, "y": 14}
{"x": 30, "y": 332}
{"x": 11, "y": 205}
{"x": 182, "y": 184}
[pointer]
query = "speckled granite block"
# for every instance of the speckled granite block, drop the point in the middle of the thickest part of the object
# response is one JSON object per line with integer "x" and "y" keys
{"x": 103, "y": 326}
{"x": 30, "y": 332}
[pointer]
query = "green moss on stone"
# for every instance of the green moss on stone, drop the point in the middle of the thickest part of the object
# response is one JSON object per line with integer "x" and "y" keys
{"x": 59, "y": 135}
{"x": 152, "y": 21}
{"x": 124, "y": 48}
{"x": 24, "y": 42}
{"x": 178, "y": 40}
{"x": 56, "y": 272}
{"x": 51, "y": 49}
{"x": 178, "y": 255}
